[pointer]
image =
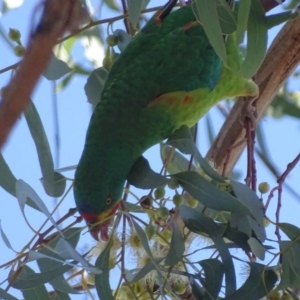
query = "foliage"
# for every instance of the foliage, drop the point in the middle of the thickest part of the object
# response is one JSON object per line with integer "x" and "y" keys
{"x": 189, "y": 201}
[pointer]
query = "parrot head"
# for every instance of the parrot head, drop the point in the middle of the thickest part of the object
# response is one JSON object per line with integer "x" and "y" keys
{"x": 98, "y": 223}
{"x": 97, "y": 202}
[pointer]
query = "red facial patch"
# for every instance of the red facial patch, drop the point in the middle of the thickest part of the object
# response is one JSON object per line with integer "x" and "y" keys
{"x": 186, "y": 99}
{"x": 101, "y": 227}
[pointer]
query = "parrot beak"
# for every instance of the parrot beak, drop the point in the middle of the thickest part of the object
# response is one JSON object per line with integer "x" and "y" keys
{"x": 100, "y": 229}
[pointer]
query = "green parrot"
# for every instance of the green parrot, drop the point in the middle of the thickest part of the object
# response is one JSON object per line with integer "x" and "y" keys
{"x": 168, "y": 76}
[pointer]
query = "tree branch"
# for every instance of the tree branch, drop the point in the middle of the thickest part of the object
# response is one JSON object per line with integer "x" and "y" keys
{"x": 281, "y": 60}
{"x": 58, "y": 17}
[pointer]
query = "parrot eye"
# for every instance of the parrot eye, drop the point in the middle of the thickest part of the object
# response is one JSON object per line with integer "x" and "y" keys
{"x": 108, "y": 200}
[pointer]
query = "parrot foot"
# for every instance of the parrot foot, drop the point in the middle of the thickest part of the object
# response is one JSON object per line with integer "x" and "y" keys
{"x": 250, "y": 112}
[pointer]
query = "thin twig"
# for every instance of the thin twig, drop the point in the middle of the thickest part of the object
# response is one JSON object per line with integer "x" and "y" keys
{"x": 278, "y": 188}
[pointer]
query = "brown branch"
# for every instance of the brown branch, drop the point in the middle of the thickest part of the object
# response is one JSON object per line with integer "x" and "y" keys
{"x": 281, "y": 60}
{"x": 57, "y": 18}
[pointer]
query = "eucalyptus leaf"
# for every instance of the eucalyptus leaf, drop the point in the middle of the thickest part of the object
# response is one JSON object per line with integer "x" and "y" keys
{"x": 290, "y": 276}
{"x": 277, "y": 19}
{"x": 143, "y": 238}
{"x": 111, "y": 4}
{"x": 198, "y": 223}
{"x": 102, "y": 280}
{"x": 25, "y": 191}
{"x": 214, "y": 272}
{"x": 54, "y": 184}
{"x": 248, "y": 197}
{"x": 257, "y": 37}
{"x": 36, "y": 293}
{"x": 66, "y": 169}
{"x": 60, "y": 296}
{"x": 134, "y": 11}
{"x": 142, "y": 176}
{"x": 207, "y": 14}
{"x": 5, "y": 238}
{"x": 94, "y": 85}
{"x": 177, "y": 246}
{"x": 290, "y": 230}
{"x": 174, "y": 162}
{"x": 141, "y": 273}
{"x": 259, "y": 283}
{"x": 6, "y": 296}
{"x": 239, "y": 238}
{"x": 210, "y": 195}
{"x": 8, "y": 181}
{"x": 257, "y": 248}
{"x": 56, "y": 69}
{"x": 242, "y": 19}
{"x": 197, "y": 290}
{"x": 227, "y": 18}
{"x": 183, "y": 141}
{"x": 28, "y": 280}
{"x": 123, "y": 39}
{"x": 65, "y": 250}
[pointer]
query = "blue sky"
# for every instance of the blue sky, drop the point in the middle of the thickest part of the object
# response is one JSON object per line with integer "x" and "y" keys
{"x": 74, "y": 112}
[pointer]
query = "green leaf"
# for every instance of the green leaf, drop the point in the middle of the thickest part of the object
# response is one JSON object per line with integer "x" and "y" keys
{"x": 197, "y": 290}
{"x": 5, "y": 238}
{"x": 209, "y": 195}
{"x": 177, "y": 246}
{"x": 143, "y": 238}
{"x": 27, "y": 279}
{"x": 206, "y": 12}
{"x": 55, "y": 184}
{"x": 248, "y": 197}
{"x": 257, "y": 248}
{"x": 290, "y": 230}
{"x": 8, "y": 181}
{"x": 137, "y": 275}
{"x": 210, "y": 128}
{"x": 56, "y": 187}
{"x": 183, "y": 141}
{"x": 6, "y": 296}
{"x": 142, "y": 176}
{"x": 94, "y": 85}
{"x": 214, "y": 272}
{"x": 7, "y": 178}
{"x": 227, "y": 18}
{"x": 176, "y": 162}
{"x": 25, "y": 191}
{"x": 102, "y": 280}
{"x": 58, "y": 295}
{"x": 290, "y": 276}
{"x": 56, "y": 69}
{"x": 198, "y": 223}
{"x": 111, "y": 4}
{"x": 242, "y": 22}
{"x": 259, "y": 283}
{"x": 240, "y": 239}
{"x": 123, "y": 39}
{"x": 277, "y": 19}
{"x": 257, "y": 36}
{"x": 134, "y": 11}
{"x": 37, "y": 293}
